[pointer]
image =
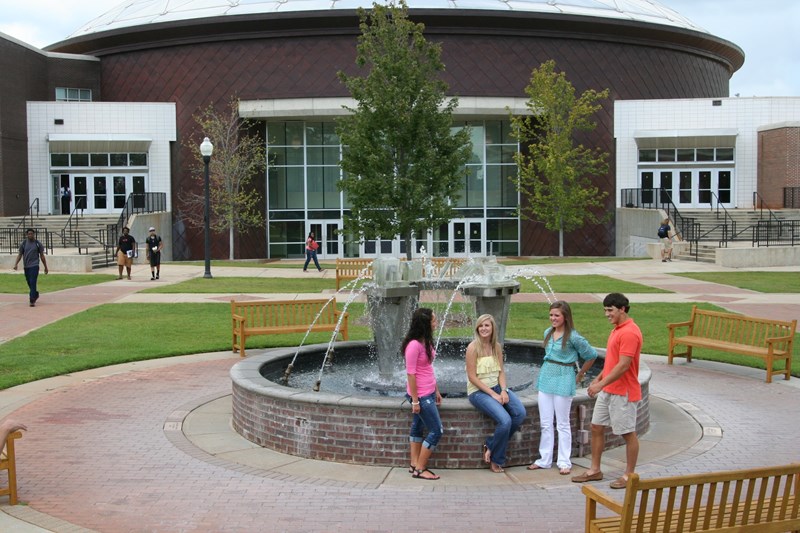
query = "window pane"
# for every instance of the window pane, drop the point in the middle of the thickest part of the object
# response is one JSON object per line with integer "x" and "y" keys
{"x": 330, "y": 188}
{"x": 666, "y": 155}
{"x": 86, "y": 95}
{"x": 647, "y": 156}
{"x": 80, "y": 160}
{"x": 119, "y": 160}
{"x": 276, "y": 133}
{"x": 61, "y": 93}
{"x": 315, "y": 186}
{"x": 500, "y": 153}
{"x": 59, "y": 160}
{"x": 724, "y": 154}
{"x": 99, "y": 160}
{"x": 705, "y": 154}
{"x": 138, "y": 160}
{"x": 294, "y": 188}
{"x": 73, "y": 94}
{"x": 685, "y": 154}
{"x": 276, "y": 186}
{"x": 313, "y": 133}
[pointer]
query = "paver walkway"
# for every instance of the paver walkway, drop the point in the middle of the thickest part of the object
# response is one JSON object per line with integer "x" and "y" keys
{"x": 106, "y": 450}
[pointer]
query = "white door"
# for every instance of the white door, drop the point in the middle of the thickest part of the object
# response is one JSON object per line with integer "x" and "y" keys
{"x": 329, "y": 237}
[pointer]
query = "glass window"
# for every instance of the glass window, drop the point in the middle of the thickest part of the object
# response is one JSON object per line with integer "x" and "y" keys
{"x": 685, "y": 154}
{"x": 501, "y": 188}
{"x": 119, "y": 160}
{"x": 99, "y": 160}
{"x": 79, "y": 160}
{"x": 61, "y": 94}
{"x": 499, "y": 132}
{"x": 59, "y": 160}
{"x": 500, "y": 153}
{"x": 724, "y": 154}
{"x": 67, "y": 94}
{"x": 138, "y": 160}
{"x": 323, "y": 155}
{"x": 647, "y": 156}
{"x": 666, "y": 155}
{"x": 705, "y": 154}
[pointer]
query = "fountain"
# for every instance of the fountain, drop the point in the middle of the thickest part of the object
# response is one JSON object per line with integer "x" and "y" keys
{"x": 360, "y": 415}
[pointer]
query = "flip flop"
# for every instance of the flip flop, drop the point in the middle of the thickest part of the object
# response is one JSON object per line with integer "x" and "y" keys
{"x": 496, "y": 468}
{"x": 411, "y": 469}
{"x": 565, "y": 471}
{"x": 418, "y": 474}
{"x": 534, "y": 466}
{"x": 487, "y": 454}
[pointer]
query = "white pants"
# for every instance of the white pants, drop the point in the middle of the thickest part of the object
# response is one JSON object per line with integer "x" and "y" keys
{"x": 550, "y": 404}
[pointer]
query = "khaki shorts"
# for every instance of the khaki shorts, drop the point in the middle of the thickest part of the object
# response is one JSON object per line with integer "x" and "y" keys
{"x": 615, "y": 411}
{"x": 667, "y": 242}
{"x": 123, "y": 259}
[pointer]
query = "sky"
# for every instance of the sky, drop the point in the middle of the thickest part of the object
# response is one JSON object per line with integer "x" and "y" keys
{"x": 767, "y": 30}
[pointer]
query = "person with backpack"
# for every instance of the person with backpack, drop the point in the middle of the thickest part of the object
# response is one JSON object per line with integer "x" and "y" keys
{"x": 666, "y": 240}
{"x": 32, "y": 250}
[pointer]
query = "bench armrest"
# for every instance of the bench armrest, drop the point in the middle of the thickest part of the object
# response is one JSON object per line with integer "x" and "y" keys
{"x": 675, "y": 325}
{"x": 593, "y": 494}
{"x": 772, "y": 340}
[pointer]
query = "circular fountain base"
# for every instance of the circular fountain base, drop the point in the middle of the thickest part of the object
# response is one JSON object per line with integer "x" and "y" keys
{"x": 357, "y": 428}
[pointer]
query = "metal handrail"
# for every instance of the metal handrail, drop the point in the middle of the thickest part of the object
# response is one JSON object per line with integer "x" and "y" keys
{"x": 80, "y": 203}
{"x": 761, "y": 208}
{"x": 29, "y": 212}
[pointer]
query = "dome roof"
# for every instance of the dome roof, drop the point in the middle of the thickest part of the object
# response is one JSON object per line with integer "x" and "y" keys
{"x": 143, "y": 12}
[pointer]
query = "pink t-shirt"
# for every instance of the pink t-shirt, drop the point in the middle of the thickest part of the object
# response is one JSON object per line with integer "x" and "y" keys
{"x": 417, "y": 364}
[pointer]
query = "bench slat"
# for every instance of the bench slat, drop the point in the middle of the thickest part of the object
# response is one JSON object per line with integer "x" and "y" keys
{"x": 267, "y": 317}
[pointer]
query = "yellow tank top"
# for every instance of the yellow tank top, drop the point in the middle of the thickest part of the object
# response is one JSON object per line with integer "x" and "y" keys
{"x": 488, "y": 371}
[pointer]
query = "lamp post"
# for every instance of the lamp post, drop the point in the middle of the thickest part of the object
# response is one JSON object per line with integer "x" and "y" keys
{"x": 206, "y": 149}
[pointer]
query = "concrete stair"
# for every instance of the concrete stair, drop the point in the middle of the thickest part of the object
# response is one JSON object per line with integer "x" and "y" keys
{"x": 745, "y": 219}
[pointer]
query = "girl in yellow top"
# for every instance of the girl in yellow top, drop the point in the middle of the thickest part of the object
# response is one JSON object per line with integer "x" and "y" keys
{"x": 488, "y": 392}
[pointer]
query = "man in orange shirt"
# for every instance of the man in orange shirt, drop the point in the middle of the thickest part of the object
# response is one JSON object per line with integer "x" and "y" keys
{"x": 617, "y": 390}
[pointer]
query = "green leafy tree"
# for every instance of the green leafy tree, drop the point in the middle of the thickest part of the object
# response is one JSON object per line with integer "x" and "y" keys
{"x": 404, "y": 162}
{"x": 239, "y": 157}
{"x": 554, "y": 172}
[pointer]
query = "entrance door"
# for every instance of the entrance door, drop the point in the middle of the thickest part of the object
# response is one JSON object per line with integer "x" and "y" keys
{"x": 328, "y": 234}
{"x": 468, "y": 238}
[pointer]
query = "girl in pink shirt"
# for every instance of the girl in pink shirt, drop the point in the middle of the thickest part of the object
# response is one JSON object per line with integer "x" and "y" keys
{"x": 422, "y": 391}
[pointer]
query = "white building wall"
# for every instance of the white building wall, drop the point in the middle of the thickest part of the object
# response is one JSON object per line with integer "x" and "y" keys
{"x": 677, "y": 118}
{"x": 154, "y": 121}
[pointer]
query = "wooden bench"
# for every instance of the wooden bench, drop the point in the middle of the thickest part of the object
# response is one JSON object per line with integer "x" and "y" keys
{"x": 756, "y": 500}
{"x": 8, "y": 463}
{"x": 349, "y": 269}
{"x": 264, "y": 317}
{"x": 771, "y": 340}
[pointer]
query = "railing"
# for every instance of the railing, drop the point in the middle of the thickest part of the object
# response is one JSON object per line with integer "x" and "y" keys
{"x": 660, "y": 199}
{"x": 758, "y": 205}
{"x": 728, "y": 227}
{"x": 791, "y": 197}
{"x": 22, "y": 224}
{"x": 138, "y": 203}
{"x": 80, "y": 203}
{"x": 13, "y": 237}
{"x": 776, "y": 233}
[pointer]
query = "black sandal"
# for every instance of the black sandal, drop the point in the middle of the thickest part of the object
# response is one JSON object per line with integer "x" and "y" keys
{"x": 418, "y": 474}
{"x": 411, "y": 469}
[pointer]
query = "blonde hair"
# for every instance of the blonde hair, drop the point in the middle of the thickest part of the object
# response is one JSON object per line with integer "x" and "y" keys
{"x": 497, "y": 349}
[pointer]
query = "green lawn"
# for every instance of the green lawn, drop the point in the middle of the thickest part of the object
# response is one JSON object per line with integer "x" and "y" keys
{"x": 118, "y": 333}
{"x": 769, "y": 282}
{"x": 15, "y": 283}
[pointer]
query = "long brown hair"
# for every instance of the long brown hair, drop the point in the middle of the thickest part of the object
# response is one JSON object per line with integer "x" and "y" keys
{"x": 421, "y": 329}
{"x": 569, "y": 325}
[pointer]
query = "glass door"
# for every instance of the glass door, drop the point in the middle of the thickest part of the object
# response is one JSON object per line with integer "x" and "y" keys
{"x": 328, "y": 234}
{"x": 80, "y": 192}
{"x": 468, "y": 238}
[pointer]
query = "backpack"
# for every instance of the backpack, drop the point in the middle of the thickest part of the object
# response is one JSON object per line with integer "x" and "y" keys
{"x": 663, "y": 232}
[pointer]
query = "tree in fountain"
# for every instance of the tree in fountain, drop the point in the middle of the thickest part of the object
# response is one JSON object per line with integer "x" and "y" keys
{"x": 404, "y": 162}
{"x": 554, "y": 175}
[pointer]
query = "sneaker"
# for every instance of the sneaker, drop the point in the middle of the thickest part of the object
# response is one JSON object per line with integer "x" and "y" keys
{"x": 129, "y": 277}
{"x": 157, "y": 275}
{"x": 663, "y": 260}
{"x": 152, "y": 277}
{"x": 33, "y": 304}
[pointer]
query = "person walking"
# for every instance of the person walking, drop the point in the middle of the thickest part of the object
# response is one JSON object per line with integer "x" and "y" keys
{"x": 487, "y": 391}
{"x": 422, "y": 391}
{"x": 126, "y": 249}
{"x": 665, "y": 234}
{"x": 617, "y": 391}
{"x": 154, "y": 246}
{"x": 66, "y": 197}
{"x": 32, "y": 251}
{"x": 557, "y": 382}
{"x": 311, "y": 251}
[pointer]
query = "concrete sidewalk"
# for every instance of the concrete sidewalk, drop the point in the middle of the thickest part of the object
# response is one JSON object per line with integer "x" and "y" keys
{"x": 148, "y": 446}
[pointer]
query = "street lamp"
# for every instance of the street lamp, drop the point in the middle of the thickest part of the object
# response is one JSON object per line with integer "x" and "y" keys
{"x": 206, "y": 149}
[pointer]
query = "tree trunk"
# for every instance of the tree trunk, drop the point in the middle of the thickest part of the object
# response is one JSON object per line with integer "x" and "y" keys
{"x": 230, "y": 243}
{"x": 561, "y": 239}
{"x": 407, "y": 240}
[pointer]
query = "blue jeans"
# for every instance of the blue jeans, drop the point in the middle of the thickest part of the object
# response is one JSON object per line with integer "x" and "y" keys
{"x": 311, "y": 254}
{"x": 427, "y": 417}
{"x": 508, "y": 418}
{"x": 31, "y": 275}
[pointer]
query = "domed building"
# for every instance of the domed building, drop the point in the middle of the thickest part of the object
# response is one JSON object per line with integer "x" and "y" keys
{"x": 130, "y": 81}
